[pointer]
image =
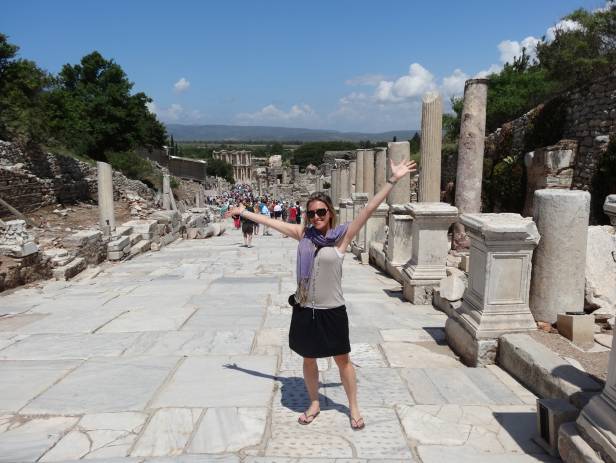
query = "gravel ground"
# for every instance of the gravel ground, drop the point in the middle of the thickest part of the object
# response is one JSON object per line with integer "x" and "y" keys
{"x": 594, "y": 361}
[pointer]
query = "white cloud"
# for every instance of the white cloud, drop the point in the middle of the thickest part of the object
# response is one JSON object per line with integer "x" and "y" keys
{"x": 271, "y": 113}
{"x": 175, "y": 113}
{"x": 609, "y": 4}
{"x": 486, "y": 72}
{"x": 453, "y": 85}
{"x": 366, "y": 79}
{"x": 181, "y": 85}
{"x": 564, "y": 25}
{"x": 418, "y": 81}
{"x": 510, "y": 49}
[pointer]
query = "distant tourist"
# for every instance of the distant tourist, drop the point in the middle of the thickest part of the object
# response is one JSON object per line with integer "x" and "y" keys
{"x": 248, "y": 227}
{"x": 319, "y": 324}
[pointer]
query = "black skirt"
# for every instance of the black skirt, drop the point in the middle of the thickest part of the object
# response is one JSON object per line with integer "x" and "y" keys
{"x": 317, "y": 333}
{"x": 247, "y": 228}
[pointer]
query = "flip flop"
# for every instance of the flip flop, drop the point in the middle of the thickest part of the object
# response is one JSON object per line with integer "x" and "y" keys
{"x": 357, "y": 424}
{"x": 308, "y": 418}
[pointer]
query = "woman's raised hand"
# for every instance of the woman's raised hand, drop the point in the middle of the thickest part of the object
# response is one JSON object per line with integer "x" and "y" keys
{"x": 401, "y": 169}
{"x": 235, "y": 211}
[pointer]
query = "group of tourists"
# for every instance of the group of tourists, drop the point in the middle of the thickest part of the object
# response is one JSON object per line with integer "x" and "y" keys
{"x": 319, "y": 323}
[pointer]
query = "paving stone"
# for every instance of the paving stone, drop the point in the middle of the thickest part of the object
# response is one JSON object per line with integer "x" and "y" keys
{"x": 72, "y": 321}
{"x": 68, "y": 346}
{"x": 421, "y": 387}
{"x": 105, "y": 385}
{"x": 229, "y": 430}
{"x": 16, "y": 322}
{"x": 377, "y": 387}
{"x": 149, "y": 319}
{"x": 400, "y": 354}
{"x": 439, "y": 454}
{"x": 208, "y": 382}
{"x": 292, "y": 361}
{"x": 100, "y": 435}
{"x": 456, "y": 386}
{"x": 435, "y": 334}
{"x": 167, "y": 433}
{"x": 366, "y": 356}
{"x": 21, "y": 381}
{"x": 27, "y": 439}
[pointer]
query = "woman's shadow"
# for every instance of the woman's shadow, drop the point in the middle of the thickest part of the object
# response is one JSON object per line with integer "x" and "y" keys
{"x": 293, "y": 393}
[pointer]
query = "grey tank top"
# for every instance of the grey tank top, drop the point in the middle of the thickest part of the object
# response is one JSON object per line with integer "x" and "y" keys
{"x": 325, "y": 288}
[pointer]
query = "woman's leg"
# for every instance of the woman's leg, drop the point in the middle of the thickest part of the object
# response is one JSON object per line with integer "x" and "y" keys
{"x": 311, "y": 378}
{"x": 347, "y": 376}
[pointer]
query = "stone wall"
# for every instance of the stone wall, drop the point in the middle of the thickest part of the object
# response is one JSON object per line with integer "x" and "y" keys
{"x": 589, "y": 119}
{"x": 32, "y": 179}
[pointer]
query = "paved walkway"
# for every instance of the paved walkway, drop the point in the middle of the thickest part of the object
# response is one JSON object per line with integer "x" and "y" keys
{"x": 183, "y": 354}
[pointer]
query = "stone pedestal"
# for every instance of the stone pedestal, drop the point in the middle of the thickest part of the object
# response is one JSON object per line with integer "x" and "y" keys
{"x": 401, "y": 192}
{"x": 558, "y": 266}
{"x": 369, "y": 173}
{"x": 399, "y": 240}
{"x": 376, "y": 225}
{"x": 431, "y": 140}
{"x": 470, "y": 155}
{"x": 359, "y": 171}
{"x": 496, "y": 300}
{"x": 15, "y": 241}
{"x": 106, "y": 216}
{"x": 597, "y": 422}
{"x": 609, "y": 207}
{"x": 359, "y": 242}
{"x": 429, "y": 250}
{"x": 380, "y": 168}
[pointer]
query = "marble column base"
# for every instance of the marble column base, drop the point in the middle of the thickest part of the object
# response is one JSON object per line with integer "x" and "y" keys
{"x": 418, "y": 292}
{"x": 572, "y": 448}
{"x": 597, "y": 425}
{"x": 376, "y": 255}
{"x": 473, "y": 352}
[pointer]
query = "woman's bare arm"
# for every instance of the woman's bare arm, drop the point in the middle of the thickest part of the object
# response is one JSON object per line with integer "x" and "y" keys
{"x": 290, "y": 229}
{"x": 397, "y": 172}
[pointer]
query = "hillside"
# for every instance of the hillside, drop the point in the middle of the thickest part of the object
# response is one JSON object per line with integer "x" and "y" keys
{"x": 256, "y": 133}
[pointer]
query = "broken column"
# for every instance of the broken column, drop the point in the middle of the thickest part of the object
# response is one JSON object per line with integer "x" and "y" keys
{"x": 166, "y": 192}
{"x": 359, "y": 243}
{"x": 106, "y": 216}
{"x": 431, "y": 139}
{"x": 496, "y": 299}
{"x": 470, "y": 156}
{"x": 609, "y": 207}
{"x": 398, "y": 245}
{"x": 359, "y": 171}
{"x": 558, "y": 267}
{"x": 426, "y": 268}
{"x": 597, "y": 422}
{"x": 368, "y": 182}
{"x": 380, "y": 169}
{"x": 333, "y": 189}
{"x": 344, "y": 195}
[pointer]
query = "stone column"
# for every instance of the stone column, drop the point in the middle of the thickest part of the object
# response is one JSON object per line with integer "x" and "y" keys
{"x": 368, "y": 182}
{"x": 496, "y": 299}
{"x": 352, "y": 174}
{"x": 334, "y": 186}
{"x": 380, "y": 169}
{"x": 166, "y": 192}
{"x": 344, "y": 193}
{"x": 106, "y": 216}
{"x": 431, "y": 139}
{"x": 470, "y": 156}
{"x": 597, "y": 422}
{"x": 609, "y": 207}
{"x": 376, "y": 227}
{"x": 559, "y": 265}
{"x": 359, "y": 171}
{"x": 401, "y": 192}
{"x": 359, "y": 243}
{"x": 423, "y": 273}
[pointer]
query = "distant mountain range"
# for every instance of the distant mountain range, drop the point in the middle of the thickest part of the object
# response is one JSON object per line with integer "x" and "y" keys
{"x": 282, "y": 134}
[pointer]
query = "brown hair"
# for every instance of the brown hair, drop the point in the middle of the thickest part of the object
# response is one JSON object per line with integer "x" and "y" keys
{"x": 320, "y": 196}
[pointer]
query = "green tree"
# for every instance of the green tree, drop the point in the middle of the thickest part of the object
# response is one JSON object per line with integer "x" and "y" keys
{"x": 415, "y": 143}
{"x": 23, "y": 98}
{"x": 100, "y": 114}
{"x": 220, "y": 168}
{"x": 581, "y": 54}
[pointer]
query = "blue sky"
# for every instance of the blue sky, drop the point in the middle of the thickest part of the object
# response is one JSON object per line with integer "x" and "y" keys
{"x": 343, "y": 65}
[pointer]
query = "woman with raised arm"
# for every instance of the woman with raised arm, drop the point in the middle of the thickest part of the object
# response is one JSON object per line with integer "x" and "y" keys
{"x": 319, "y": 324}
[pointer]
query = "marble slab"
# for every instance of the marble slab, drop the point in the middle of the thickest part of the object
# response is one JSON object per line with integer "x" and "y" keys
{"x": 99, "y": 435}
{"x": 220, "y": 381}
{"x": 229, "y": 430}
{"x": 24, "y": 439}
{"x": 168, "y": 432}
{"x": 22, "y": 381}
{"x": 105, "y": 385}
{"x": 410, "y": 355}
{"x": 149, "y": 319}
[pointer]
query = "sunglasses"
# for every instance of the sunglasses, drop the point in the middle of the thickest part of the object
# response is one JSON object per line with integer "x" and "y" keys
{"x": 319, "y": 212}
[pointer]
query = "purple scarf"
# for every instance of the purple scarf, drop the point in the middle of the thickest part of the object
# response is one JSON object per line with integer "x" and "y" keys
{"x": 306, "y": 252}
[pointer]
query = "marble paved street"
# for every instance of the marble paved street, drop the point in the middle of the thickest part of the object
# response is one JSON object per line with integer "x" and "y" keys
{"x": 181, "y": 356}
